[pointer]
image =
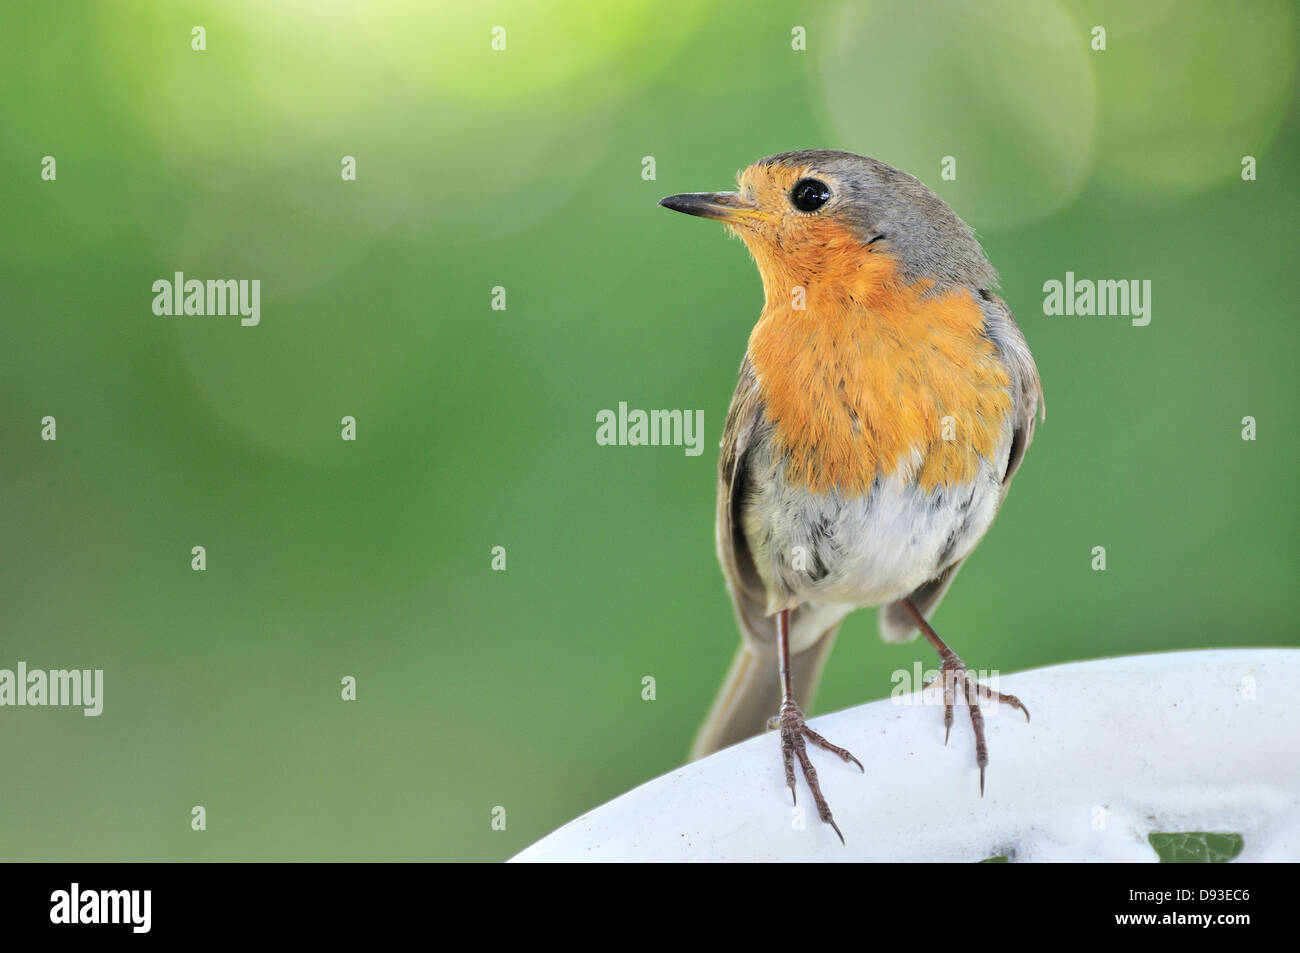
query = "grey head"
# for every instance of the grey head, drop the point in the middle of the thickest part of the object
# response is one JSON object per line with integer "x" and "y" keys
{"x": 883, "y": 207}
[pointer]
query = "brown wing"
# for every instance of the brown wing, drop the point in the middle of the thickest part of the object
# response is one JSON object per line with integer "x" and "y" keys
{"x": 751, "y": 692}
{"x": 1026, "y": 386}
{"x": 1030, "y": 407}
{"x": 744, "y": 418}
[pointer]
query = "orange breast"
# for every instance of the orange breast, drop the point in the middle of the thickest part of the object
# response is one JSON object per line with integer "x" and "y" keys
{"x": 873, "y": 376}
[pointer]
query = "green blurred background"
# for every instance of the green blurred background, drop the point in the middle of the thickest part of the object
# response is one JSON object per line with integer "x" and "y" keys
{"x": 476, "y": 428}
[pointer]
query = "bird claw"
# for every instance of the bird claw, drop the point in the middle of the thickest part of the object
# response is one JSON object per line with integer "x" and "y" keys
{"x": 795, "y": 734}
{"x": 954, "y": 672}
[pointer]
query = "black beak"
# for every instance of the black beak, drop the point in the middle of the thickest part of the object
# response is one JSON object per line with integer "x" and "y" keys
{"x": 722, "y": 206}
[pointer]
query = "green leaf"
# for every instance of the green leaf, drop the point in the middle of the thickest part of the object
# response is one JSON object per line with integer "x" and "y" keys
{"x": 994, "y": 860}
{"x": 1196, "y": 847}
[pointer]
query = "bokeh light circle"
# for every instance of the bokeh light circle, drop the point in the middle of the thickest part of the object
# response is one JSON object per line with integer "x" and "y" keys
{"x": 1004, "y": 87}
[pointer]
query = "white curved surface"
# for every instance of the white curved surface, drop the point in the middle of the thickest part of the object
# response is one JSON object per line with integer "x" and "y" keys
{"x": 1118, "y": 748}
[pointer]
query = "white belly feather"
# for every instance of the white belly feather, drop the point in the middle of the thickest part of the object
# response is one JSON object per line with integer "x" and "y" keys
{"x": 865, "y": 550}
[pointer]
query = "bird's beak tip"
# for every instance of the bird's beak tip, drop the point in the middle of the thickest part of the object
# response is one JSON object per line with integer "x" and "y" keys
{"x": 686, "y": 202}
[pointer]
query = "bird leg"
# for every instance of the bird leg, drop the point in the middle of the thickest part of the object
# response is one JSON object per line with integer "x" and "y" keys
{"x": 794, "y": 731}
{"x": 954, "y": 672}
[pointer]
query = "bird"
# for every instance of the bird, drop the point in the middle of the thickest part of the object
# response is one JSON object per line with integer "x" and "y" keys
{"x": 885, "y": 400}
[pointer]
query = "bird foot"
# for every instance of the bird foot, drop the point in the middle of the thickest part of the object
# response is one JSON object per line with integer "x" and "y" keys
{"x": 795, "y": 734}
{"x": 955, "y": 675}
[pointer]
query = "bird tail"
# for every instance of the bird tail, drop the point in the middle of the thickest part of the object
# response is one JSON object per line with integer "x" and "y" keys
{"x": 751, "y": 692}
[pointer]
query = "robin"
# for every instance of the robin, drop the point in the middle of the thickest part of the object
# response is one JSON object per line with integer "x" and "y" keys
{"x": 885, "y": 401}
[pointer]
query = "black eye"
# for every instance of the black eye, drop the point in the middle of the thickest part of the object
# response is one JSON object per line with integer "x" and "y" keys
{"x": 810, "y": 194}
